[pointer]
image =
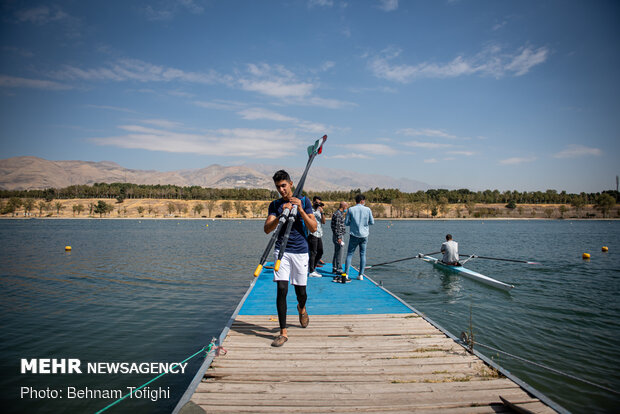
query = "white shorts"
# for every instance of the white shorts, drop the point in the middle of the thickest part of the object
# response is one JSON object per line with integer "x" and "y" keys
{"x": 293, "y": 265}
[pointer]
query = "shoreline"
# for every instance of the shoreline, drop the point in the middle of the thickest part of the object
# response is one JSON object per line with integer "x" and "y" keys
{"x": 152, "y": 208}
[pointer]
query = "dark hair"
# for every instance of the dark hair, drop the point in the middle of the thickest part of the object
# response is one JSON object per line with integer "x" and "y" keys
{"x": 281, "y": 175}
{"x": 316, "y": 198}
{"x": 359, "y": 198}
{"x": 448, "y": 237}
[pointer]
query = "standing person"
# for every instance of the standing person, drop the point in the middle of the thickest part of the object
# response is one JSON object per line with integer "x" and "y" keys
{"x": 315, "y": 241}
{"x": 450, "y": 250}
{"x": 338, "y": 230}
{"x": 294, "y": 264}
{"x": 359, "y": 217}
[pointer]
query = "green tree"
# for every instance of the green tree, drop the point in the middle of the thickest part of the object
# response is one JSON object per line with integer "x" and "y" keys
{"x": 511, "y": 205}
{"x": 102, "y": 208}
{"x": 198, "y": 208}
{"x": 226, "y": 207}
{"x": 605, "y": 203}
{"x": 59, "y": 207}
{"x": 28, "y": 205}
{"x": 578, "y": 203}
{"x": 140, "y": 210}
{"x": 171, "y": 208}
{"x": 240, "y": 208}
{"x": 42, "y": 206}
{"x": 563, "y": 209}
{"x": 210, "y": 206}
{"x": 77, "y": 208}
{"x": 549, "y": 212}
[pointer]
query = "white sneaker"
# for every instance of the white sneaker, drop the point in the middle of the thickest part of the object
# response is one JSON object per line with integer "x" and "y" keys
{"x": 360, "y": 277}
{"x": 315, "y": 274}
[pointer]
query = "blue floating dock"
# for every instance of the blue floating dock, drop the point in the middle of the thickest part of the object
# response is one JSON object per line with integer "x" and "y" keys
{"x": 324, "y": 296}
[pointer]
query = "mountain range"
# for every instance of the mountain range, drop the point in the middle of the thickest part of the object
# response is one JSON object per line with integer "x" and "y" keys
{"x": 30, "y": 173}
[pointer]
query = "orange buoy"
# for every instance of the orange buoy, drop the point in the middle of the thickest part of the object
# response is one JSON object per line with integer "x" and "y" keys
{"x": 67, "y": 248}
{"x": 604, "y": 248}
{"x": 585, "y": 256}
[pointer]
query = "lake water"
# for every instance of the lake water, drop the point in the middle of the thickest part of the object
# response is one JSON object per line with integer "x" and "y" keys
{"x": 159, "y": 290}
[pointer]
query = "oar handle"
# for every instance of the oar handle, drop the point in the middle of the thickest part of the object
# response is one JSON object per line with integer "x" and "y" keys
{"x": 287, "y": 233}
{"x": 272, "y": 241}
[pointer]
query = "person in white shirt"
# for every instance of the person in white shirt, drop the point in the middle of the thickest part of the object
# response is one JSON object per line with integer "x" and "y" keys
{"x": 450, "y": 250}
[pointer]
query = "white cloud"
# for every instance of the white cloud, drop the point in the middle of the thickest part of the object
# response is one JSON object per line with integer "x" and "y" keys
{"x": 167, "y": 10}
{"x": 274, "y": 80}
{"x": 463, "y": 153}
{"x": 220, "y": 104}
{"x": 163, "y": 123}
{"x": 412, "y": 132}
{"x": 237, "y": 142}
{"x": 261, "y": 113}
{"x": 489, "y": 62}
{"x": 388, "y": 5}
{"x": 431, "y": 161}
{"x": 517, "y": 160}
{"x": 112, "y": 108}
{"x": 41, "y": 15}
{"x": 351, "y": 155}
{"x": 137, "y": 70}
{"x": 574, "y": 151}
{"x": 16, "y": 82}
{"x": 427, "y": 145}
{"x": 320, "y": 3}
{"x": 375, "y": 149}
{"x": 181, "y": 94}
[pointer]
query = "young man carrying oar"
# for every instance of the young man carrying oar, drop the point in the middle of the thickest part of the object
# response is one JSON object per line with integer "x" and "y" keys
{"x": 294, "y": 264}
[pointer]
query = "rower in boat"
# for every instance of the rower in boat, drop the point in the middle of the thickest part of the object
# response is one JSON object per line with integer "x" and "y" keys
{"x": 450, "y": 250}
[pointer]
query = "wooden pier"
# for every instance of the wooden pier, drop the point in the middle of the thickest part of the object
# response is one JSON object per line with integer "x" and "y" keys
{"x": 349, "y": 359}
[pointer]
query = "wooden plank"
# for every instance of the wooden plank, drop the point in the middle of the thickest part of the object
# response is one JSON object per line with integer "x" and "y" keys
{"x": 289, "y": 388}
{"x": 352, "y": 363}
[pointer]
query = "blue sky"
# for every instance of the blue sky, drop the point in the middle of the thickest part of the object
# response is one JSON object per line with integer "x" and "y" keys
{"x": 468, "y": 94}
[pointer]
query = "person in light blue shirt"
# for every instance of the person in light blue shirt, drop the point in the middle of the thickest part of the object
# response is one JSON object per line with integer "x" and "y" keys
{"x": 359, "y": 217}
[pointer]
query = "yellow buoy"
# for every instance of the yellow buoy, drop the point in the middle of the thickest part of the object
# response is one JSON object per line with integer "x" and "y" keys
{"x": 585, "y": 255}
{"x": 604, "y": 248}
{"x": 67, "y": 248}
{"x": 207, "y": 225}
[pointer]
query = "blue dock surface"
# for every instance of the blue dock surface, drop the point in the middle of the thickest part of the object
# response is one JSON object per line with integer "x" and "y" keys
{"x": 364, "y": 350}
{"x": 358, "y": 297}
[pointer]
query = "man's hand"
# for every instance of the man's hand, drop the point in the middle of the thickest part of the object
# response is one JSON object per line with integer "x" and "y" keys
{"x": 294, "y": 201}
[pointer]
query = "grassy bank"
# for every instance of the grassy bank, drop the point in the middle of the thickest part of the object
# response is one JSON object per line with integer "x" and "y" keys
{"x": 165, "y": 208}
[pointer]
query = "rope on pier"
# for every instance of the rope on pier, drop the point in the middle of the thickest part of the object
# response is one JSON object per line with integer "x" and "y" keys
{"x": 218, "y": 349}
{"x": 549, "y": 368}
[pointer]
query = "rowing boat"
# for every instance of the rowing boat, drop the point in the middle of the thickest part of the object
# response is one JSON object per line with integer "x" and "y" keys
{"x": 463, "y": 271}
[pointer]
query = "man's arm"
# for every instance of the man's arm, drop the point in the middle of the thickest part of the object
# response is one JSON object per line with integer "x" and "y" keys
{"x": 270, "y": 224}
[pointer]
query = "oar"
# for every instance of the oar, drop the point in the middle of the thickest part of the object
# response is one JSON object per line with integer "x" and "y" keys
{"x": 401, "y": 260}
{"x": 286, "y": 213}
{"x": 475, "y": 256}
{"x": 313, "y": 151}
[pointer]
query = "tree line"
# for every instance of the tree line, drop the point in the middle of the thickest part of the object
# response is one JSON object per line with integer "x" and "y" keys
{"x": 121, "y": 191}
